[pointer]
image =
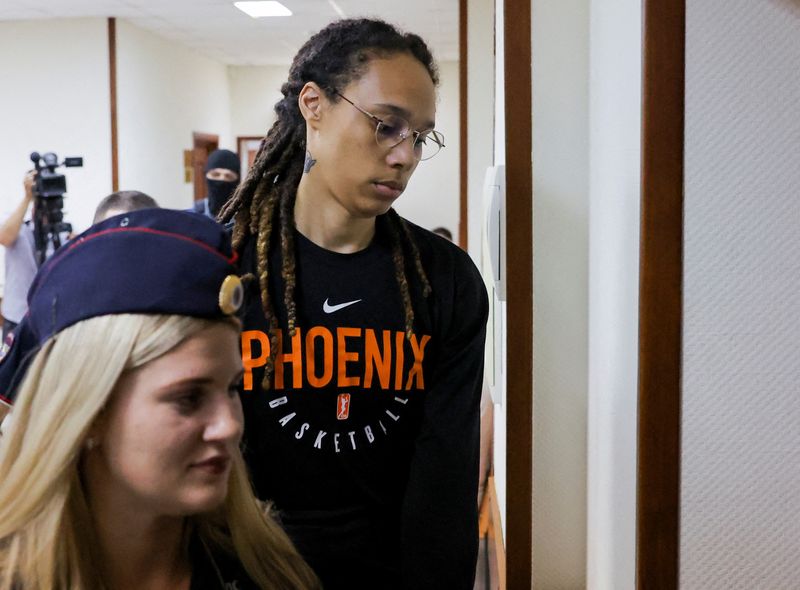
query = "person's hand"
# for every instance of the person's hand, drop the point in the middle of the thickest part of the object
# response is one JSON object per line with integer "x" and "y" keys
{"x": 30, "y": 179}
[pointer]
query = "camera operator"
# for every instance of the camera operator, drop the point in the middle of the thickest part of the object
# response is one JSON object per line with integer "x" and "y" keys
{"x": 29, "y": 243}
{"x": 16, "y": 236}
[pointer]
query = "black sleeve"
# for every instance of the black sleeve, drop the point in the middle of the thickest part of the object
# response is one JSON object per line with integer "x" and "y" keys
{"x": 440, "y": 512}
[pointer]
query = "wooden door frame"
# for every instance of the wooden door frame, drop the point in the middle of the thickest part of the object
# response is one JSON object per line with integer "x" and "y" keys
{"x": 243, "y": 163}
{"x": 519, "y": 286}
{"x": 242, "y": 138}
{"x": 112, "y": 78}
{"x": 201, "y": 141}
{"x": 660, "y": 296}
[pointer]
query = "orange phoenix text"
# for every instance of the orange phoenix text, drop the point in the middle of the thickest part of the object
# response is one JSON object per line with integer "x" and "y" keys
{"x": 361, "y": 358}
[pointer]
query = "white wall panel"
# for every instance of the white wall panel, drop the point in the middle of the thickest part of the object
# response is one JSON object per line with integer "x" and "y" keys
{"x": 55, "y": 97}
{"x": 615, "y": 154}
{"x": 740, "y": 507}
{"x": 560, "y": 51}
{"x": 165, "y": 92}
{"x": 254, "y": 92}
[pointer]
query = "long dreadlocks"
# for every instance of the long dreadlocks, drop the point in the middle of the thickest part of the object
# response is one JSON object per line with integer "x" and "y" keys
{"x": 333, "y": 58}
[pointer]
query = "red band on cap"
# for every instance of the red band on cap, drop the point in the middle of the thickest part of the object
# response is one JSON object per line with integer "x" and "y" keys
{"x": 158, "y": 232}
{"x": 147, "y": 230}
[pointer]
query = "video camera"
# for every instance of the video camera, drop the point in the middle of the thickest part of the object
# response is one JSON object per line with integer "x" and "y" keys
{"x": 49, "y": 189}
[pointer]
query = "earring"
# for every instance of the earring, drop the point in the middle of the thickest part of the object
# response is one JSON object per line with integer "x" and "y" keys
{"x": 91, "y": 443}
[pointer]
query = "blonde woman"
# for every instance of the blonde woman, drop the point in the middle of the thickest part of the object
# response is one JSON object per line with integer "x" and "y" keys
{"x": 121, "y": 467}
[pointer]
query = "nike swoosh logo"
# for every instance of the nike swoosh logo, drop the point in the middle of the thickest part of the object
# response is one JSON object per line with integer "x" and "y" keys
{"x": 328, "y": 308}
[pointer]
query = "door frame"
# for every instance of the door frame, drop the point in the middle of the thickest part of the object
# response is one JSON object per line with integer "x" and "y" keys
{"x": 241, "y": 151}
{"x": 660, "y": 295}
{"x": 202, "y": 145}
{"x": 519, "y": 287}
{"x": 111, "y": 29}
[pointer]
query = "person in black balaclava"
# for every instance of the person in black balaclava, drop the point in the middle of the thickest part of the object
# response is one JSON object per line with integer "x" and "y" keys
{"x": 222, "y": 178}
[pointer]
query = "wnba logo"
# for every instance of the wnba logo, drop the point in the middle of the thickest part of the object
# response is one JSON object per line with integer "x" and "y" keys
{"x": 343, "y": 406}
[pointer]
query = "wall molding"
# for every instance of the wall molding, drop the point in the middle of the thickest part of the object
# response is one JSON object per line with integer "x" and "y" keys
{"x": 660, "y": 296}
{"x": 112, "y": 75}
{"x": 519, "y": 286}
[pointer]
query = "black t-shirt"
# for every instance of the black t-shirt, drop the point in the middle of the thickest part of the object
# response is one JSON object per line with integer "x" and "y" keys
{"x": 368, "y": 441}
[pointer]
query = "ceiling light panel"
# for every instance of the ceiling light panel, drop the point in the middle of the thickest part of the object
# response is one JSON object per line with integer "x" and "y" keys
{"x": 263, "y": 9}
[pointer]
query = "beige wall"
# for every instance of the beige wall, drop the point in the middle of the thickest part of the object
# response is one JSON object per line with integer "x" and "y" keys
{"x": 56, "y": 81}
{"x": 254, "y": 92}
{"x": 55, "y": 97}
{"x": 560, "y": 46}
{"x": 165, "y": 92}
{"x": 615, "y": 138}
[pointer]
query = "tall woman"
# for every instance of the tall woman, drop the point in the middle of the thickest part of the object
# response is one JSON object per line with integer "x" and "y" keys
{"x": 121, "y": 467}
{"x": 363, "y": 339}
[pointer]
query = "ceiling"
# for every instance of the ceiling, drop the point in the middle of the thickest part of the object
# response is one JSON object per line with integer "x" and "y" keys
{"x": 217, "y": 29}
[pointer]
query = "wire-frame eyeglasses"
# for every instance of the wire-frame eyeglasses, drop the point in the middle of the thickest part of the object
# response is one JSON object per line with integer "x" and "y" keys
{"x": 391, "y": 130}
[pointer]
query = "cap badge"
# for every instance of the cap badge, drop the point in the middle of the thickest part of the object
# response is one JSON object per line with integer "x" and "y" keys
{"x": 231, "y": 295}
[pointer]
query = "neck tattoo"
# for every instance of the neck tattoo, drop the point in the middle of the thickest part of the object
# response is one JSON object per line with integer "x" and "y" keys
{"x": 309, "y": 163}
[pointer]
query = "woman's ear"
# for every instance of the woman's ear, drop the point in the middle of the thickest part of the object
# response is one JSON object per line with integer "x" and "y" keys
{"x": 310, "y": 102}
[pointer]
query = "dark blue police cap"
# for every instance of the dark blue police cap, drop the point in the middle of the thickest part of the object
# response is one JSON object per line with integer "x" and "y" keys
{"x": 158, "y": 261}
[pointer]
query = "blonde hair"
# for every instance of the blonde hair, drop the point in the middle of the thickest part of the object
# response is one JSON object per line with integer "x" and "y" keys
{"x": 47, "y": 538}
